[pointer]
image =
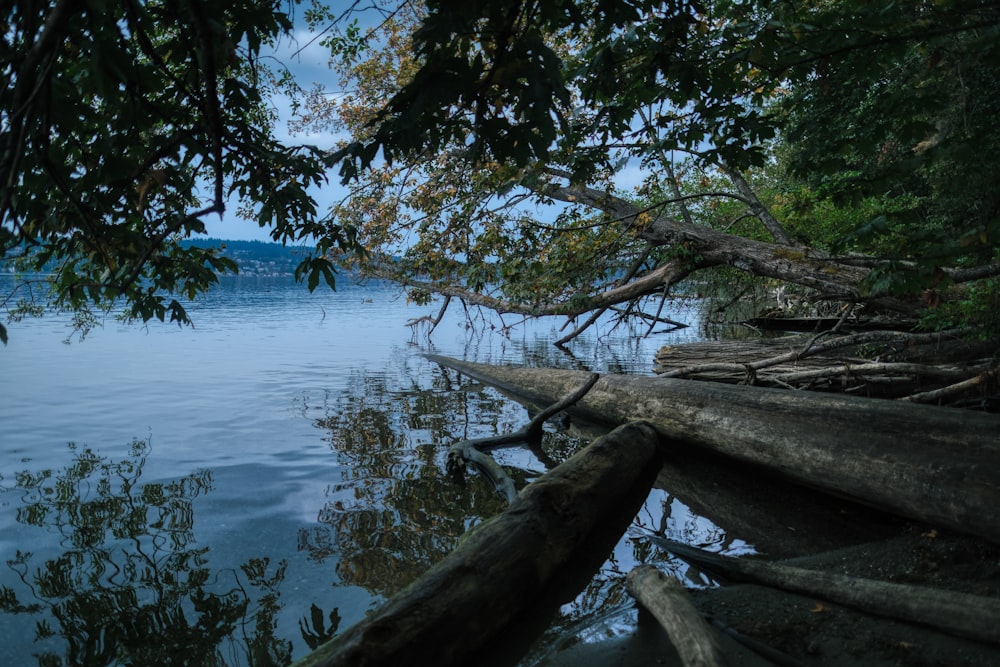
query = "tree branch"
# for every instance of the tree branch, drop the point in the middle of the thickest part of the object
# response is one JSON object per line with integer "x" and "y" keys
{"x": 472, "y": 450}
{"x": 760, "y": 211}
{"x": 979, "y": 381}
{"x": 960, "y": 614}
{"x": 811, "y": 349}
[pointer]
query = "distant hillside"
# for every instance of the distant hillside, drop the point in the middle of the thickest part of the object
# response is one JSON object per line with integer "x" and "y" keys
{"x": 254, "y": 257}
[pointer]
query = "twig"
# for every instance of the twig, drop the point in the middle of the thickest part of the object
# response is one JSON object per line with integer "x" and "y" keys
{"x": 845, "y": 313}
{"x": 473, "y": 450}
{"x": 580, "y": 329}
{"x": 652, "y": 318}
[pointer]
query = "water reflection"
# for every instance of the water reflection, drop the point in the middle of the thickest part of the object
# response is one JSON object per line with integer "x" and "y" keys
{"x": 395, "y": 512}
{"x": 129, "y": 583}
{"x": 120, "y": 578}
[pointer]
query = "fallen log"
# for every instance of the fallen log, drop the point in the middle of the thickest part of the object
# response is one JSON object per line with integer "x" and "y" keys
{"x": 932, "y": 464}
{"x": 881, "y": 364}
{"x": 667, "y": 600}
{"x": 961, "y": 614}
{"x": 501, "y": 568}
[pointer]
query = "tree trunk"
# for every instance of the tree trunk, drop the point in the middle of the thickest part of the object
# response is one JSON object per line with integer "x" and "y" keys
{"x": 501, "y": 568}
{"x": 779, "y": 518}
{"x": 937, "y": 465}
{"x": 960, "y": 614}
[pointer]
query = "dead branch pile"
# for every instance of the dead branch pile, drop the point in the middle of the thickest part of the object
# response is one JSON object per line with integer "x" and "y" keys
{"x": 943, "y": 368}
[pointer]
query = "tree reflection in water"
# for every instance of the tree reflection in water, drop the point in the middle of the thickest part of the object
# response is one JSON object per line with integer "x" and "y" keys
{"x": 127, "y": 583}
{"x": 131, "y": 586}
{"x": 395, "y": 512}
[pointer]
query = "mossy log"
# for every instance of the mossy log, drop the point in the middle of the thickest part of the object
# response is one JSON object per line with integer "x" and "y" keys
{"x": 501, "y": 568}
{"x": 932, "y": 464}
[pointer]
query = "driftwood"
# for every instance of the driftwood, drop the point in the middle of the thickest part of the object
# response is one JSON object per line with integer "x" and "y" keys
{"x": 474, "y": 450}
{"x": 819, "y": 323}
{"x": 501, "y": 568}
{"x": 933, "y": 464}
{"x": 960, "y": 614}
{"x": 879, "y": 363}
{"x": 667, "y": 600}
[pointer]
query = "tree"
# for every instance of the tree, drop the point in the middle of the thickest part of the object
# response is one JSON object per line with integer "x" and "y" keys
{"x": 123, "y": 126}
{"x": 462, "y": 115}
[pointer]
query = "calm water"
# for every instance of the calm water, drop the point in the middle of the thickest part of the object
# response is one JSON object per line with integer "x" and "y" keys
{"x": 237, "y": 492}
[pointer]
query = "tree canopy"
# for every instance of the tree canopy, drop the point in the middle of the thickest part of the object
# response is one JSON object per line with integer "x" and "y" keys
{"x": 528, "y": 156}
{"x": 548, "y": 158}
{"x": 123, "y": 126}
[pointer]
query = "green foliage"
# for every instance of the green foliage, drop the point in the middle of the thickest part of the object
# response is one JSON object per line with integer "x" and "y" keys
{"x": 123, "y": 126}
{"x": 900, "y": 133}
{"x": 478, "y": 60}
{"x": 978, "y": 310}
{"x": 867, "y": 128}
{"x": 863, "y": 131}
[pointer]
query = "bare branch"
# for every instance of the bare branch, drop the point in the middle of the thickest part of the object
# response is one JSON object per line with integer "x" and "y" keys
{"x": 760, "y": 211}
{"x": 473, "y": 450}
{"x": 811, "y": 349}
{"x": 959, "y": 388}
{"x": 432, "y": 321}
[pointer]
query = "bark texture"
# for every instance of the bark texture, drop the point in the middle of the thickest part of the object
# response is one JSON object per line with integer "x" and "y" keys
{"x": 936, "y": 465}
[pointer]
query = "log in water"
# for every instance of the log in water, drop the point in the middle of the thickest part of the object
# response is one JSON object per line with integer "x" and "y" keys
{"x": 937, "y": 465}
{"x": 501, "y": 568}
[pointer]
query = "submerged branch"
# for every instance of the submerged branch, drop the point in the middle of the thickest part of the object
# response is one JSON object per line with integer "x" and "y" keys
{"x": 594, "y": 316}
{"x": 473, "y": 450}
{"x": 431, "y": 321}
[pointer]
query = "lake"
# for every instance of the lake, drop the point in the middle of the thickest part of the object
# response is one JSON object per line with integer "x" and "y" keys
{"x": 237, "y": 492}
